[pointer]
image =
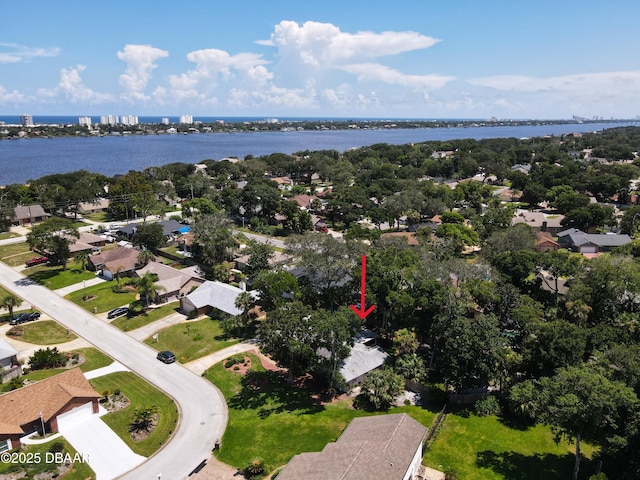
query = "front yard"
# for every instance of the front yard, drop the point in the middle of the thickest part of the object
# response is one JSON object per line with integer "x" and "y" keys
{"x": 131, "y": 323}
{"x": 102, "y": 298}
{"x": 16, "y": 254}
{"x": 54, "y": 277}
{"x": 45, "y": 332}
{"x": 192, "y": 340}
{"x": 141, "y": 394}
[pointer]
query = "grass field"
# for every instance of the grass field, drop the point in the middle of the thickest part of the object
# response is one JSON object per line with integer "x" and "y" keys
{"x": 5, "y": 235}
{"x": 192, "y": 340}
{"x": 55, "y": 277}
{"x": 131, "y": 323}
{"x": 45, "y": 332}
{"x": 487, "y": 448}
{"x": 16, "y": 254}
{"x": 276, "y": 421}
{"x": 141, "y": 394}
{"x": 104, "y": 298}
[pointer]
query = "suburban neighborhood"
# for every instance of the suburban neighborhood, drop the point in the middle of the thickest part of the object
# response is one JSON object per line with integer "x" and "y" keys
{"x": 444, "y": 310}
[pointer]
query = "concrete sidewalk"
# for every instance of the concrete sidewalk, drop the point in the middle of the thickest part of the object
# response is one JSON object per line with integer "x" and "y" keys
{"x": 201, "y": 364}
{"x": 111, "y": 368}
{"x": 146, "y": 331}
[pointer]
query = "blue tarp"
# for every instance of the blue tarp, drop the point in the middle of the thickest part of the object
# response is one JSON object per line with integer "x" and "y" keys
{"x": 184, "y": 229}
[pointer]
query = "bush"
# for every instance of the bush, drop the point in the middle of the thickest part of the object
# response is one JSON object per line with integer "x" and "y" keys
{"x": 47, "y": 358}
{"x": 136, "y": 308}
{"x": 487, "y": 407}
{"x": 56, "y": 447}
{"x": 255, "y": 466}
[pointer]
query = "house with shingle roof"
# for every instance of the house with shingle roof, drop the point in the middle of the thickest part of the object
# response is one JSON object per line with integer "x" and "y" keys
{"x": 23, "y": 214}
{"x": 211, "y": 296}
{"x": 171, "y": 283}
{"x": 46, "y": 402}
{"x": 9, "y": 365}
{"x": 120, "y": 260}
{"x": 578, "y": 241}
{"x": 539, "y": 221}
{"x": 388, "y": 447}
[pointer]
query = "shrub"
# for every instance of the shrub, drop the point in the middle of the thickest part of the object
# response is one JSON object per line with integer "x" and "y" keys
{"x": 136, "y": 308}
{"x": 116, "y": 392}
{"x": 487, "y": 406}
{"x": 255, "y": 466}
{"x": 56, "y": 447}
{"x": 47, "y": 358}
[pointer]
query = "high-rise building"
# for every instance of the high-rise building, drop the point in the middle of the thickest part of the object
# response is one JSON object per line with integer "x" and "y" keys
{"x": 165, "y": 121}
{"x": 109, "y": 120}
{"x": 129, "y": 120}
{"x": 26, "y": 120}
{"x": 85, "y": 121}
{"x": 186, "y": 119}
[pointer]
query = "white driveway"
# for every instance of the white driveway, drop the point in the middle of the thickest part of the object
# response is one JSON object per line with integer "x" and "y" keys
{"x": 107, "y": 454}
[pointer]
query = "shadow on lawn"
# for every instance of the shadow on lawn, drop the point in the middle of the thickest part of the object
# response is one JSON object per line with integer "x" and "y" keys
{"x": 516, "y": 466}
{"x": 268, "y": 393}
{"x": 41, "y": 276}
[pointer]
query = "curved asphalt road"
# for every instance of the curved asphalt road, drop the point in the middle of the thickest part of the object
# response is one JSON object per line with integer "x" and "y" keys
{"x": 203, "y": 411}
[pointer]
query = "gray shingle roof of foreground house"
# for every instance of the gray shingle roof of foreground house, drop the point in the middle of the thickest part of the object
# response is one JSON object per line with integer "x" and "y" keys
{"x": 385, "y": 447}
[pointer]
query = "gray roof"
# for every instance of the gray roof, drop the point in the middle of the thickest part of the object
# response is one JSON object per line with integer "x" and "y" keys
{"x": 168, "y": 227}
{"x": 29, "y": 211}
{"x": 599, "y": 239}
{"x": 381, "y": 446}
{"x": 362, "y": 358}
{"x": 6, "y": 350}
{"x": 217, "y": 295}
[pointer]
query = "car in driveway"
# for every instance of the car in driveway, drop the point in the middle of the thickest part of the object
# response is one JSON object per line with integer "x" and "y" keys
{"x": 24, "y": 318}
{"x": 166, "y": 356}
{"x": 37, "y": 261}
{"x": 118, "y": 312}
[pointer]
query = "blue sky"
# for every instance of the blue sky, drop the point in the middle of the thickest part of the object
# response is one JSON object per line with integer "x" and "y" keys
{"x": 349, "y": 58}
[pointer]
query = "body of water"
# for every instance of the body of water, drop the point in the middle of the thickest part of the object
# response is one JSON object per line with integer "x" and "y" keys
{"x": 25, "y": 159}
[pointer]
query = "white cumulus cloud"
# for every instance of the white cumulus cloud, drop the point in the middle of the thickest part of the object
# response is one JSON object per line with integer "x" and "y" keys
{"x": 375, "y": 71}
{"x": 14, "y": 97}
{"x": 72, "y": 88}
{"x": 141, "y": 61}
{"x": 323, "y": 43}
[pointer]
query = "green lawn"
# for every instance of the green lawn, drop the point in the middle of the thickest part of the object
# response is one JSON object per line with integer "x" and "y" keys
{"x": 93, "y": 359}
{"x": 486, "y": 448}
{"x": 131, "y": 323}
{"x": 105, "y": 299}
{"x": 55, "y": 277}
{"x": 141, "y": 394}
{"x": 275, "y": 421}
{"x": 5, "y": 235}
{"x": 16, "y": 254}
{"x": 45, "y": 332}
{"x": 79, "y": 471}
{"x": 191, "y": 340}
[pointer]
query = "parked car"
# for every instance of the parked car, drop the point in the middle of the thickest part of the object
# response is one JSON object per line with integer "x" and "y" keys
{"x": 37, "y": 261}
{"x": 166, "y": 356}
{"x": 24, "y": 318}
{"x": 118, "y": 312}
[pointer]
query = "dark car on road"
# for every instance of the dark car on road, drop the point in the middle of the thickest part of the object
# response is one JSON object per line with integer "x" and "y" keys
{"x": 166, "y": 356}
{"x": 118, "y": 312}
{"x": 24, "y": 318}
{"x": 37, "y": 261}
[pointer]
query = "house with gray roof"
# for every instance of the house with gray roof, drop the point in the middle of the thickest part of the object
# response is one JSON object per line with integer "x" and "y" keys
{"x": 23, "y": 214}
{"x": 387, "y": 447}
{"x": 578, "y": 241}
{"x": 211, "y": 296}
{"x": 364, "y": 357}
{"x": 172, "y": 283}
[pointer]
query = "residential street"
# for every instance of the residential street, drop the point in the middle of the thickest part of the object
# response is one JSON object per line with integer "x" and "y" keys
{"x": 203, "y": 412}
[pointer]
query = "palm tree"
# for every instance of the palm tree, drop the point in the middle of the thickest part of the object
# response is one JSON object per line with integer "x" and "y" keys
{"x": 243, "y": 302}
{"x": 83, "y": 258}
{"x": 10, "y": 302}
{"x": 145, "y": 256}
{"x": 145, "y": 285}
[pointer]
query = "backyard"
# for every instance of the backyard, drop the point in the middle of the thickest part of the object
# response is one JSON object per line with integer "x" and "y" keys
{"x": 192, "y": 340}
{"x": 274, "y": 421}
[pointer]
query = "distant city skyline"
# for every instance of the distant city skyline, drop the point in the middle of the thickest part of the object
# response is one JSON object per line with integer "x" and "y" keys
{"x": 404, "y": 59}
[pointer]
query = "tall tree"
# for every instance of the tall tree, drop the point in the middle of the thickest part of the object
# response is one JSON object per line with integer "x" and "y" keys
{"x": 578, "y": 403}
{"x": 213, "y": 238}
{"x": 54, "y": 236}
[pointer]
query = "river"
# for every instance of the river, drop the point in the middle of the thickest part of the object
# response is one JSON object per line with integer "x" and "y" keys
{"x": 32, "y": 158}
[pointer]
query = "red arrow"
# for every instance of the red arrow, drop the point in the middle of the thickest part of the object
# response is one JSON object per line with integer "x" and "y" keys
{"x": 360, "y": 311}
